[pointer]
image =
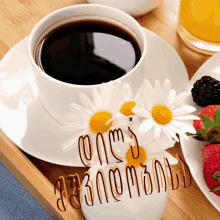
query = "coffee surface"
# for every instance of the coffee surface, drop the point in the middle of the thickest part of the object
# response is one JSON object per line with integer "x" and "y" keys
{"x": 88, "y": 52}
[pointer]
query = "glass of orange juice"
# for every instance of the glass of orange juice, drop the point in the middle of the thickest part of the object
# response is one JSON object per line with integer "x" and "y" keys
{"x": 199, "y": 25}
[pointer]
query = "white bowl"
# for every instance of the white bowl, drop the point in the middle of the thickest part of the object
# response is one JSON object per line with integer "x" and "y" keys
{"x": 135, "y": 8}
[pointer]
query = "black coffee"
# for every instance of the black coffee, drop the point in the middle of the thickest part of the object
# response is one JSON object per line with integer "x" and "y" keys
{"x": 88, "y": 52}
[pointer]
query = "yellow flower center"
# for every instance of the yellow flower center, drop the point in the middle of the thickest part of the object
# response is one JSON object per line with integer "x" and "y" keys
{"x": 126, "y": 108}
{"x": 161, "y": 114}
{"x": 98, "y": 122}
{"x": 138, "y": 161}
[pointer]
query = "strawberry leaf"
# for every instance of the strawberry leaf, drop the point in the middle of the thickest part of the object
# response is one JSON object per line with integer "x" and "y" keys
{"x": 216, "y": 176}
{"x": 202, "y": 132}
{"x": 216, "y": 189}
{"x": 207, "y": 122}
{"x": 198, "y": 132}
{"x": 217, "y": 118}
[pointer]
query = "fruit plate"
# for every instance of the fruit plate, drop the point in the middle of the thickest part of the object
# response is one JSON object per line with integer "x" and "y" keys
{"x": 192, "y": 149}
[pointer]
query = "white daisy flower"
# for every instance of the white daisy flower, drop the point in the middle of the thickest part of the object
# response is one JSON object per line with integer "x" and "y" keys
{"x": 99, "y": 116}
{"x": 164, "y": 111}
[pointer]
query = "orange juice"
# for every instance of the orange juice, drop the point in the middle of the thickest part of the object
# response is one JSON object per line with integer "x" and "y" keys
{"x": 201, "y": 18}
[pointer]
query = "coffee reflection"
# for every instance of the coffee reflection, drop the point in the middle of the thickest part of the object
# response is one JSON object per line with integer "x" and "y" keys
{"x": 88, "y": 52}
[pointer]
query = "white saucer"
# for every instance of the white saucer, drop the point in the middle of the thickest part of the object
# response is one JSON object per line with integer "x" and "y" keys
{"x": 23, "y": 117}
{"x": 192, "y": 149}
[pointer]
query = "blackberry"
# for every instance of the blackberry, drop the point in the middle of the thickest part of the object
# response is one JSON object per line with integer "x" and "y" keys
{"x": 206, "y": 91}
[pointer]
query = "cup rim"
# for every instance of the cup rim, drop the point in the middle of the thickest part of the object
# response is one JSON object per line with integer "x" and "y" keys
{"x": 44, "y": 19}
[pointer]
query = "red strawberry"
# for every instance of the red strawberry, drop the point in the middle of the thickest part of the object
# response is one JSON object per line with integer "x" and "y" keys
{"x": 198, "y": 124}
{"x": 208, "y": 128}
{"x": 208, "y": 111}
{"x": 211, "y": 167}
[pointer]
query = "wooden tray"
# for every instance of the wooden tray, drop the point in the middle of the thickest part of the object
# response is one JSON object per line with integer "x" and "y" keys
{"x": 17, "y": 19}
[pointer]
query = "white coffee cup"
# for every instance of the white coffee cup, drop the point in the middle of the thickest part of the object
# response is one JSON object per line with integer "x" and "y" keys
{"x": 57, "y": 95}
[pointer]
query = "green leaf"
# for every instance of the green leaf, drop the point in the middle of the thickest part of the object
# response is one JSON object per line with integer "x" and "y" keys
{"x": 216, "y": 189}
{"x": 202, "y": 132}
{"x": 217, "y": 118}
{"x": 207, "y": 122}
{"x": 216, "y": 176}
{"x": 198, "y": 132}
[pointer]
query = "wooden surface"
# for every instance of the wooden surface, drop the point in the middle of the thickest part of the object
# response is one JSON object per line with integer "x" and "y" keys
{"x": 17, "y": 18}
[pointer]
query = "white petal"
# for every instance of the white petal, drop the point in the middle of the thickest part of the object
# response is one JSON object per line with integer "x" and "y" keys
{"x": 117, "y": 94}
{"x": 148, "y": 89}
{"x": 150, "y": 107}
{"x": 129, "y": 92}
{"x": 102, "y": 92}
{"x": 141, "y": 92}
{"x": 157, "y": 131}
{"x": 186, "y": 109}
{"x": 147, "y": 125}
{"x": 171, "y": 97}
{"x": 137, "y": 97}
{"x": 78, "y": 109}
{"x": 168, "y": 135}
{"x": 119, "y": 100}
{"x": 146, "y": 84}
{"x": 146, "y": 99}
{"x": 145, "y": 138}
{"x": 108, "y": 95}
{"x": 136, "y": 125}
{"x": 166, "y": 91}
{"x": 177, "y": 130}
{"x": 185, "y": 127}
{"x": 96, "y": 99}
{"x": 77, "y": 117}
{"x": 139, "y": 102}
{"x": 190, "y": 125}
{"x": 170, "y": 132}
{"x": 87, "y": 103}
{"x": 177, "y": 101}
{"x": 120, "y": 121}
{"x": 110, "y": 120}
{"x": 186, "y": 117}
{"x": 125, "y": 99}
{"x": 73, "y": 141}
{"x": 74, "y": 126}
{"x": 141, "y": 112}
{"x": 124, "y": 93}
{"x": 157, "y": 92}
